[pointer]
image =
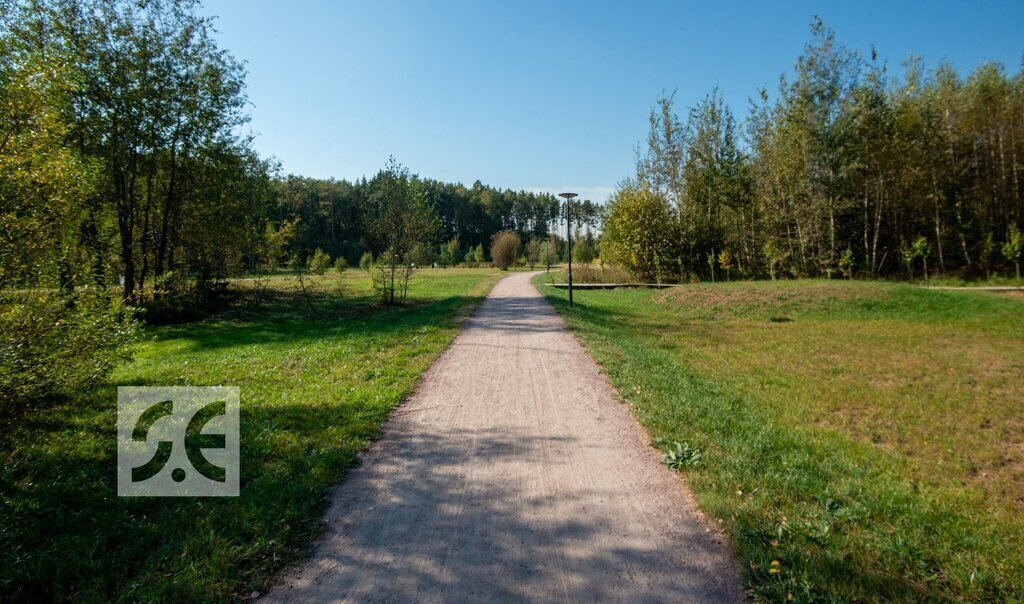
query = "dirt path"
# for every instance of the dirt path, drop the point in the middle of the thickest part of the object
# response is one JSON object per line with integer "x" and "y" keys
{"x": 513, "y": 474}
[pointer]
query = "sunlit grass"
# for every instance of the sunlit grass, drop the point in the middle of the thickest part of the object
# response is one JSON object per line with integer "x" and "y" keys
{"x": 869, "y": 437}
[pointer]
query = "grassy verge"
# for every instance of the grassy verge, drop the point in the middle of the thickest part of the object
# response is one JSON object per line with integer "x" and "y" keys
{"x": 995, "y": 280}
{"x": 316, "y": 384}
{"x": 866, "y": 438}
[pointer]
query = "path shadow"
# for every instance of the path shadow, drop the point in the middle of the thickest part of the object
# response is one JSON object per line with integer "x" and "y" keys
{"x": 417, "y": 523}
{"x": 515, "y": 313}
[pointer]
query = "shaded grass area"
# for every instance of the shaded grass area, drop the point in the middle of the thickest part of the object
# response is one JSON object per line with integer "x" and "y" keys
{"x": 315, "y": 387}
{"x": 868, "y": 437}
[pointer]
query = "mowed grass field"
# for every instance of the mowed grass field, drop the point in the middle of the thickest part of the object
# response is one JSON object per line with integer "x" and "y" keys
{"x": 316, "y": 384}
{"x": 860, "y": 441}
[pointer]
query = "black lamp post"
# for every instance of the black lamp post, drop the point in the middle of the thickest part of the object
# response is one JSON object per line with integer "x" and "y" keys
{"x": 568, "y": 234}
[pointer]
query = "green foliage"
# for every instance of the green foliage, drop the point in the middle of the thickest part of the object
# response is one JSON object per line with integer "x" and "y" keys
{"x": 384, "y": 278}
{"x": 846, "y": 155}
{"x": 422, "y": 254}
{"x": 319, "y": 262}
{"x": 179, "y": 297}
{"x": 1014, "y": 247}
{"x": 921, "y": 250}
{"x": 773, "y": 258}
{"x": 340, "y": 264}
{"x": 366, "y": 260}
{"x": 727, "y": 263}
{"x": 401, "y": 224}
{"x": 331, "y": 214}
{"x": 680, "y": 456}
{"x": 661, "y": 167}
{"x": 639, "y": 231}
{"x": 988, "y": 254}
{"x": 846, "y": 263}
{"x": 52, "y": 346}
{"x": 505, "y": 247}
{"x": 454, "y": 250}
{"x": 583, "y": 249}
{"x": 450, "y": 253}
{"x": 273, "y": 243}
{"x": 907, "y": 256}
{"x": 478, "y": 254}
{"x": 146, "y": 171}
{"x": 533, "y": 252}
{"x": 44, "y": 183}
{"x": 549, "y": 252}
{"x": 918, "y": 248}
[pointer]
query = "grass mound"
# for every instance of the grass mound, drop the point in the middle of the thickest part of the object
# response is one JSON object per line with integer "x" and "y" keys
{"x": 720, "y": 300}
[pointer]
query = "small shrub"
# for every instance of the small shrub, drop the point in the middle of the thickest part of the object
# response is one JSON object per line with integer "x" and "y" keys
{"x": 533, "y": 251}
{"x": 846, "y": 263}
{"x": 505, "y": 248}
{"x": 366, "y": 260}
{"x": 727, "y": 262}
{"x": 421, "y": 255}
{"x": 319, "y": 262}
{"x": 340, "y": 264}
{"x": 1013, "y": 249}
{"x": 390, "y": 278}
{"x": 583, "y": 250}
{"x": 773, "y": 258}
{"x": 549, "y": 252}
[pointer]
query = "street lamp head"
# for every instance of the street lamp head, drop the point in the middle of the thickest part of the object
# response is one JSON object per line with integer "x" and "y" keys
{"x": 567, "y": 195}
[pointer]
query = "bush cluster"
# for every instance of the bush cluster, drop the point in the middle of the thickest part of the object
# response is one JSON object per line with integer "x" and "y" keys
{"x": 53, "y": 346}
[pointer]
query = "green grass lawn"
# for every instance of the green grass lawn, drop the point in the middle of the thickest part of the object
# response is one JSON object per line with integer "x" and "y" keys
{"x": 316, "y": 384}
{"x": 868, "y": 438}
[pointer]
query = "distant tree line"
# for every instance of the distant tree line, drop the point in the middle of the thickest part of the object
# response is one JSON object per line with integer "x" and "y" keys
{"x": 849, "y": 168}
{"x": 333, "y": 216}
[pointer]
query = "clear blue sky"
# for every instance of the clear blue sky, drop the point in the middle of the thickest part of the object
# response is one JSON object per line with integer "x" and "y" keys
{"x": 543, "y": 95}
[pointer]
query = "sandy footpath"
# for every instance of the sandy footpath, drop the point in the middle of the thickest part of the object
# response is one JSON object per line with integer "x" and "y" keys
{"x": 513, "y": 474}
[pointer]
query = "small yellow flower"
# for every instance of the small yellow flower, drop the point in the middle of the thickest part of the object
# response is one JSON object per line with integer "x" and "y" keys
{"x": 775, "y": 568}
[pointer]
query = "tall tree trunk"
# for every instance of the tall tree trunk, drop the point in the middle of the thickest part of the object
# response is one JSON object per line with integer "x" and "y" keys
{"x": 867, "y": 249}
{"x": 125, "y": 228}
{"x": 1016, "y": 182}
{"x": 169, "y": 204}
{"x": 938, "y": 222}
